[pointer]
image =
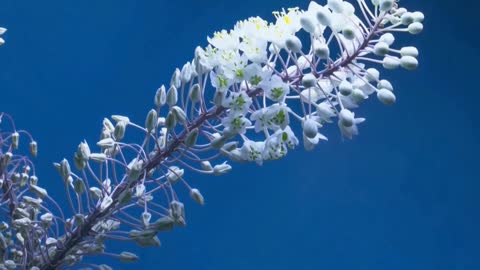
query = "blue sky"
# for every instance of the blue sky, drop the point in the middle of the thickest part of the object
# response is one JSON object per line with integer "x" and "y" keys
{"x": 402, "y": 195}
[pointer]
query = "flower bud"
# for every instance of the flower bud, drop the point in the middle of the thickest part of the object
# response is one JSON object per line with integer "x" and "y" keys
{"x": 310, "y": 128}
{"x": 106, "y": 202}
{"x": 41, "y": 192}
{"x": 348, "y": 32}
{"x": 33, "y": 148}
{"x": 324, "y": 16}
{"x": 177, "y": 211}
{"x": 79, "y": 163}
{"x": 65, "y": 169}
{"x": 106, "y": 143}
{"x": 418, "y": 16}
{"x": 172, "y": 96}
{"x": 218, "y": 142}
{"x": 195, "y": 93}
{"x": 95, "y": 192}
{"x": 293, "y": 44}
{"x": 386, "y": 96}
{"x": 388, "y": 38}
{"x": 307, "y": 24}
{"x": 206, "y": 166}
{"x": 309, "y": 80}
{"x": 135, "y": 169}
{"x": 170, "y": 121}
{"x": 119, "y": 132}
{"x": 381, "y": 48}
{"x": 160, "y": 97}
{"x": 174, "y": 173}
{"x": 386, "y": 5}
{"x": 151, "y": 121}
{"x": 391, "y": 62}
{"x": 407, "y": 18}
{"x": 121, "y": 118}
{"x": 358, "y": 96}
{"x": 107, "y": 124}
{"x": 321, "y": 49}
{"x": 2, "y": 30}
{"x": 191, "y": 138}
{"x": 175, "y": 81}
{"x": 409, "y": 62}
{"x": 197, "y": 196}
{"x": 335, "y": 5}
{"x": 98, "y": 157}
{"x": 79, "y": 186}
{"x": 385, "y": 84}
{"x": 345, "y": 88}
{"x": 346, "y": 118}
{"x": 186, "y": 73}
{"x": 15, "y": 140}
{"x": 6, "y": 158}
{"x": 83, "y": 150}
{"x": 180, "y": 115}
{"x": 409, "y": 51}
{"x": 146, "y": 216}
{"x": 372, "y": 75}
{"x": 128, "y": 257}
{"x": 415, "y": 28}
{"x": 221, "y": 169}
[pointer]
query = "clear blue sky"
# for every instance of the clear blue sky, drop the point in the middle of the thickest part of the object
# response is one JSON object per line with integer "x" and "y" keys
{"x": 402, "y": 195}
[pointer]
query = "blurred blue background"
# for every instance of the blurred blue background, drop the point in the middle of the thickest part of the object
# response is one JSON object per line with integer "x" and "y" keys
{"x": 402, "y": 195}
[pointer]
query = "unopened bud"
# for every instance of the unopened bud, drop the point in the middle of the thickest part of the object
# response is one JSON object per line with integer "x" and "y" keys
{"x": 15, "y": 140}
{"x": 172, "y": 96}
{"x": 119, "y": 132}
{"x": 151, "y": 121}
{"x": 346, "y": 118}
{"x": 197, "y": 196}
{"x": 195, "y": 93}
{"x": 191, "y": 138}
{"x": 409, "y": 62}
{"x": 293, "y": 44}
{"x": 309, "y": 80}
{"x": 160, "y": 97}
{"x": 33, "y": 148}
{"x": 386, "y": 96}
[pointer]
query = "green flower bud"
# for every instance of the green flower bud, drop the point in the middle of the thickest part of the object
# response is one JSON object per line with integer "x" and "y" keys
{"x": 195, "y": 93}
{"x": 172, "y": 96}
{"x": 119, "y": 132}
{"x": 160, "y": 97}
{"x": 191, "y": 138}
{"x": 151, "y": 121}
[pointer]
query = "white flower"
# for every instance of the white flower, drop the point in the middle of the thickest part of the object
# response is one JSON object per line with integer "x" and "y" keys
{"x": 255, "y": 49}
{"x": 253, "y": 27}
{"x": 235, "y": 124}
{"x": 276, "y": 89}
{"x": 238, "y": 102}
{"x": 252, "y": 151}
{"x": 220, "y": 81}
{"x": 325, "y": 111}
{"x": 278, "y": 116}
{"x": 289, "y": 21}
{"x": 277, "y": 145}
{"x": 224, "y": 40}
{"x": 348, "y": 123}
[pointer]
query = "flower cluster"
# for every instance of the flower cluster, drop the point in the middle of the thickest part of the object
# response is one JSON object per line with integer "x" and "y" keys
{"x": 255, "y": 92}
